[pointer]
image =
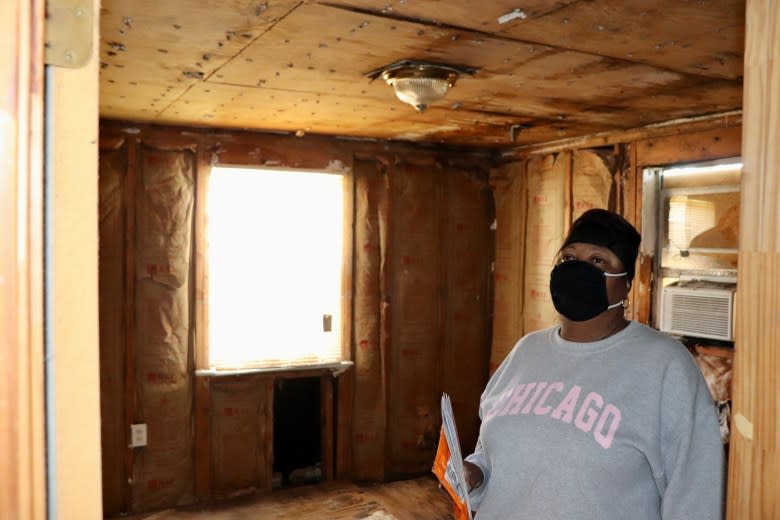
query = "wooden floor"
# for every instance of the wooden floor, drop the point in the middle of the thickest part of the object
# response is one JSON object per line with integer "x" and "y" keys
{"x": 418, "y": 499}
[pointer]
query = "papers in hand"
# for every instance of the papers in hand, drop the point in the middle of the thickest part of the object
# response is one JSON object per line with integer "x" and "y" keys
{"x": 448, "y": 464}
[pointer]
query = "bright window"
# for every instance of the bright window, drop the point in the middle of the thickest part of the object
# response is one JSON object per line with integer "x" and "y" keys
{"x": 275, "y": 249}
{"x": 688, "y": 217}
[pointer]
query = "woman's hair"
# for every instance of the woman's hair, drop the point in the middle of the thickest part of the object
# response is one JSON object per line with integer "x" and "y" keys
{"x": 607, "y": 229}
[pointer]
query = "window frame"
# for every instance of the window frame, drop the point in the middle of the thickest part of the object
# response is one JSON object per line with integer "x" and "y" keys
{"x": 201, "y": 271}
{"x": 654, "y": 193}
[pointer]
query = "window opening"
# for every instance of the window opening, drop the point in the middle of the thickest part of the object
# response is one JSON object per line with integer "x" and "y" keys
{"x": 695, "y": 233}
{"x": 275, "y": 247}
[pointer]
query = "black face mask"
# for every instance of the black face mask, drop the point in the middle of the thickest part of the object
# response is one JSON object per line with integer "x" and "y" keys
{"x": 579, "y": 290}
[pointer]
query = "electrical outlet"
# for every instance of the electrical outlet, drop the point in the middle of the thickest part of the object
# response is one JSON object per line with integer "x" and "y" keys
{"x": 137, "y": 435}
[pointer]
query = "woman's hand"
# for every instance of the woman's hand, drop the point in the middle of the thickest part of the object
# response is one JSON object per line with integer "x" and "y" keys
{"x": 474, "y": 476}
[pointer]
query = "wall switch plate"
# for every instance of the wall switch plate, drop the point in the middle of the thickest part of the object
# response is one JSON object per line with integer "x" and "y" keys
{"x": 137, "y": 435}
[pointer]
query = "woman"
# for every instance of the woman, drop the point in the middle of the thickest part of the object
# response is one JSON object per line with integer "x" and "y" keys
{"x": 598, "y": 417}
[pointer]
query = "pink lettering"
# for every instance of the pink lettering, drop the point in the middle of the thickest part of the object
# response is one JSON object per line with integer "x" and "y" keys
{"x": 497, "y": 403}
{"x": 541, "y": 409}
{"x": 610, "y": 412}
{"x": 565, "y": 410}
{"x": 530, "y": 404}
{"x": 589, "y": 415}
{"x": 592, "y": 414}
{"x": 517, "y": 399}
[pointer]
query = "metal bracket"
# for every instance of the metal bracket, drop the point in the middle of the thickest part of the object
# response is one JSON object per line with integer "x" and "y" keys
{"x": 68, "y": 32}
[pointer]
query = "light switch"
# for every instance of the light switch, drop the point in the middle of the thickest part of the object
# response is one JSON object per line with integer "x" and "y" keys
{"x": 137, "y": 435}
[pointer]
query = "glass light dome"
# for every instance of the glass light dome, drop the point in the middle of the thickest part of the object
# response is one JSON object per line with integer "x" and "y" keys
{"x": 420, "y": 91}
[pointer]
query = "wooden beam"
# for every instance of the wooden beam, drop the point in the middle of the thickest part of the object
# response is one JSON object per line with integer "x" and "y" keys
{"x": 344, "y": 412}
{"x": 717, "y": 143}
{"x": 202, "y": 438}
{"x": 201, "y": 323}
{"x": 326, "y": 425}
{"x": 129, "y": 317}
{"x": 754, "y": 465}
{"x": 669, "y": 128}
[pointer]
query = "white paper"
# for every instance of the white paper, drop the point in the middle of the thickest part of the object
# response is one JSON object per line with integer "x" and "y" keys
{"x": 455, "y": 474}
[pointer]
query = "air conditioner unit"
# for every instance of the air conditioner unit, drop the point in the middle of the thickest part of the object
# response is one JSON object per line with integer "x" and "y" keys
{"x": 699, "y": 309}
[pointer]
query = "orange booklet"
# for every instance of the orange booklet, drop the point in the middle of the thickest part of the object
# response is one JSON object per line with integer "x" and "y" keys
{"x": 448, "y": 463}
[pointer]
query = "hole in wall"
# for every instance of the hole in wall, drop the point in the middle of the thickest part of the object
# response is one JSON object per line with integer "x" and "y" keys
{"x": 297, "y": 432}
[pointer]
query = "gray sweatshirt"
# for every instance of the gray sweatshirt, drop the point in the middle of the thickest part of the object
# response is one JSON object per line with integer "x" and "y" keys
{"x": 622, "y": 428}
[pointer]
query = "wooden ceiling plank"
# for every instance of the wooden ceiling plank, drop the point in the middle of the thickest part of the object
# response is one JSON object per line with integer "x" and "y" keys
{"x": 151, "y": 53}
{"x": 238, "y": 107}
{"x": 702, "y": 37}
{"x": 288, "y": 65}
{"x": 465, "y": 14}
{"x": 347, "y": 46}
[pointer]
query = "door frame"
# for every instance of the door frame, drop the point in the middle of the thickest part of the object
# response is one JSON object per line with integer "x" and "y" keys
{"x": 22, "y": 436}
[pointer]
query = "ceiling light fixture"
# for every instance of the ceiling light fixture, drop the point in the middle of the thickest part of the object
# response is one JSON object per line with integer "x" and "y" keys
{"x": 420, "y": 83}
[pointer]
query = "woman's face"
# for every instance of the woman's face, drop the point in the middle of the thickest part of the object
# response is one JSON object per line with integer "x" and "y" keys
{"x": 605, "y": 260}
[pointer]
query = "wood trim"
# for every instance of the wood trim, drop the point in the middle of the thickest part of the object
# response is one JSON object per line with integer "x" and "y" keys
{"x": 22, "y": 449}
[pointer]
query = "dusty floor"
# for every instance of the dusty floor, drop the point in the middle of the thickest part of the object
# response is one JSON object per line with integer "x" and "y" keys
{"x": 418, "y": 499}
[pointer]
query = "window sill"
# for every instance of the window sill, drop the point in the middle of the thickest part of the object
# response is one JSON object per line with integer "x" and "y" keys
{"x": 335, "y": 369}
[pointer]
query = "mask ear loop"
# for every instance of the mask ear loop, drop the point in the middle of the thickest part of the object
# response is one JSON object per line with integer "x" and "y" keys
{"x": 624, "y": 302}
